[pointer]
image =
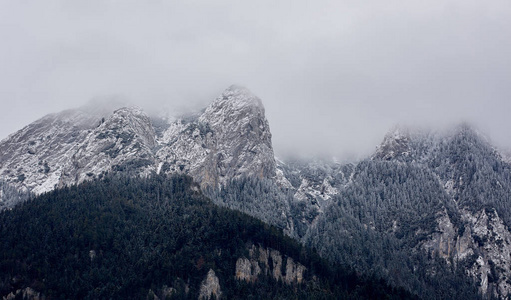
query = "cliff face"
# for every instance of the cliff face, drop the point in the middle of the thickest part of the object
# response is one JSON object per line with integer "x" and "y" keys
{"x": 230, "y": 139}
{"x": 482, "y": 242}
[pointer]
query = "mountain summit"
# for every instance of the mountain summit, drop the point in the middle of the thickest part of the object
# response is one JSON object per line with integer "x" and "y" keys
{"x": 230, "y": 139}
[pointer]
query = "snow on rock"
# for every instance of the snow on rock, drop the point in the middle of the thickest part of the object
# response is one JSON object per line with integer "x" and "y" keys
{"x": 229, "y": 139}
{"x": 395, "y": 144}
{"x": 34, "y": 157}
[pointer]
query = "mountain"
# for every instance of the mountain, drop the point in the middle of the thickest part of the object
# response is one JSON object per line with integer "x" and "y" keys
{"x": 229, "y": 139}
{"x": 428, "y": 211}
{"x": 425, "y": 204}
{"x": 75, "y": 145}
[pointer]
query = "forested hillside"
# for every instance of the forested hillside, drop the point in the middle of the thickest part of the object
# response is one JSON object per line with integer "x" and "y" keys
{"x": 377, "y": 222}
{"x": 132, "y": 238}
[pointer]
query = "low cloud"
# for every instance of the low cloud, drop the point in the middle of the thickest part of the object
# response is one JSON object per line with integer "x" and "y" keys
{"x": 334, "y": 75}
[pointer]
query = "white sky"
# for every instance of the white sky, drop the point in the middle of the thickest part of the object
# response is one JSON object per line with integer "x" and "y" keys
{"x": 334, "y": 76}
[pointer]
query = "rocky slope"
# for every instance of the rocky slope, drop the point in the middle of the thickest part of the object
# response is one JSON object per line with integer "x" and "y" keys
{"x": 262, "y": 261}
{"x": 228, "y": 140}
{"x": 72, "y": 146}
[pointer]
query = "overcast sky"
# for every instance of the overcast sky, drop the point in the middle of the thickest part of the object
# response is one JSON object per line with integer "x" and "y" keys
{"x": 334, "y": 76}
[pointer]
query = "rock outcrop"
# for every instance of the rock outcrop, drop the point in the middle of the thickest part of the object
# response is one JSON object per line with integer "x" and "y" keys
{"x": 210, "y": 286}
{"x": 25, "y": 294}
{"x": 482, "y": 242}
{"x": 269, "y": 262}
{"x": 74, "y": 146}
{"x": 394, "y": 145}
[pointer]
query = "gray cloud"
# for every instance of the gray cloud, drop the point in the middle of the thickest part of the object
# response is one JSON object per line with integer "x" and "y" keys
{"x": 334, "y": 75}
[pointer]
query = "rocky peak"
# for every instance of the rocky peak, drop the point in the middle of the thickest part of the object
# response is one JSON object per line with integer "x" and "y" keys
{"x": 230, "y": 139}
{"x": 121, "y": 140}
{"x": 135, "y": 120}
{"x": 74, "y": 145}
{"x": 242, "y": 133}
{"x": 235, "y": 99}
{"x": 394, "y": 145}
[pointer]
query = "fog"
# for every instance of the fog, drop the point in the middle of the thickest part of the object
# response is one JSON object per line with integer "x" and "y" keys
{"x": 334, "y": 76}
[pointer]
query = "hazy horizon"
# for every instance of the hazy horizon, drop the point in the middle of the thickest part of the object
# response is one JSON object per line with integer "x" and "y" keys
{"x": 334, "y": 76}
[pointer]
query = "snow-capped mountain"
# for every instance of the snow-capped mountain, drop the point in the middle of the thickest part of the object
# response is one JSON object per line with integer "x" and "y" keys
{"x": 229, "y": 139}
{"x": 424, "y": 206}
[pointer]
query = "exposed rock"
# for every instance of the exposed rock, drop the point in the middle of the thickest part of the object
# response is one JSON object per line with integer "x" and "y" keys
{"x": 74, "y": 146}
{"x": 167, "y": 292}
{"x": 484, "y": 236}
{"x": 443, "y": 241}
{"x": 231, "y": 138}
{"x": 26, "y": 294}
{"x": 210, "y": 286}
{"x": 492, "y": 240}
{"x": 248, "y": 269}
{"x": 276, "y": 258}
{"x": 263, "y": 258}
{"x": 92, "y": 255}
{"x": 313, "y": 185}
{"x": 124, "y": 142}
{"x": 244, "y": 270}
{"x": 394, "y": 145}
{"x": 10, "y": 195}
{"x": 294, "y": 272}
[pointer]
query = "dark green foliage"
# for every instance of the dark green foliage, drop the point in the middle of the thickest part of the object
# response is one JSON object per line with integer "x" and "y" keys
{"x": 376, "y": 223}
{"x": 480, "y": 177}
{"x": 128, "y": 238}
{"x": 260, "y": 198}
{"x": 132, "y": 166}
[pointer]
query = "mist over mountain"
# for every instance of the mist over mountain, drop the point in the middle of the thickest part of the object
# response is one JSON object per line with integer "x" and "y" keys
{"x": 427, "y": 212}
{"x": 334, "y": 75}
{"x": 370, "y": 157}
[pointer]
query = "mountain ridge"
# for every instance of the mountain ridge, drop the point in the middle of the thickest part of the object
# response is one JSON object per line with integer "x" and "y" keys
{"x": 437, "y": 199}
